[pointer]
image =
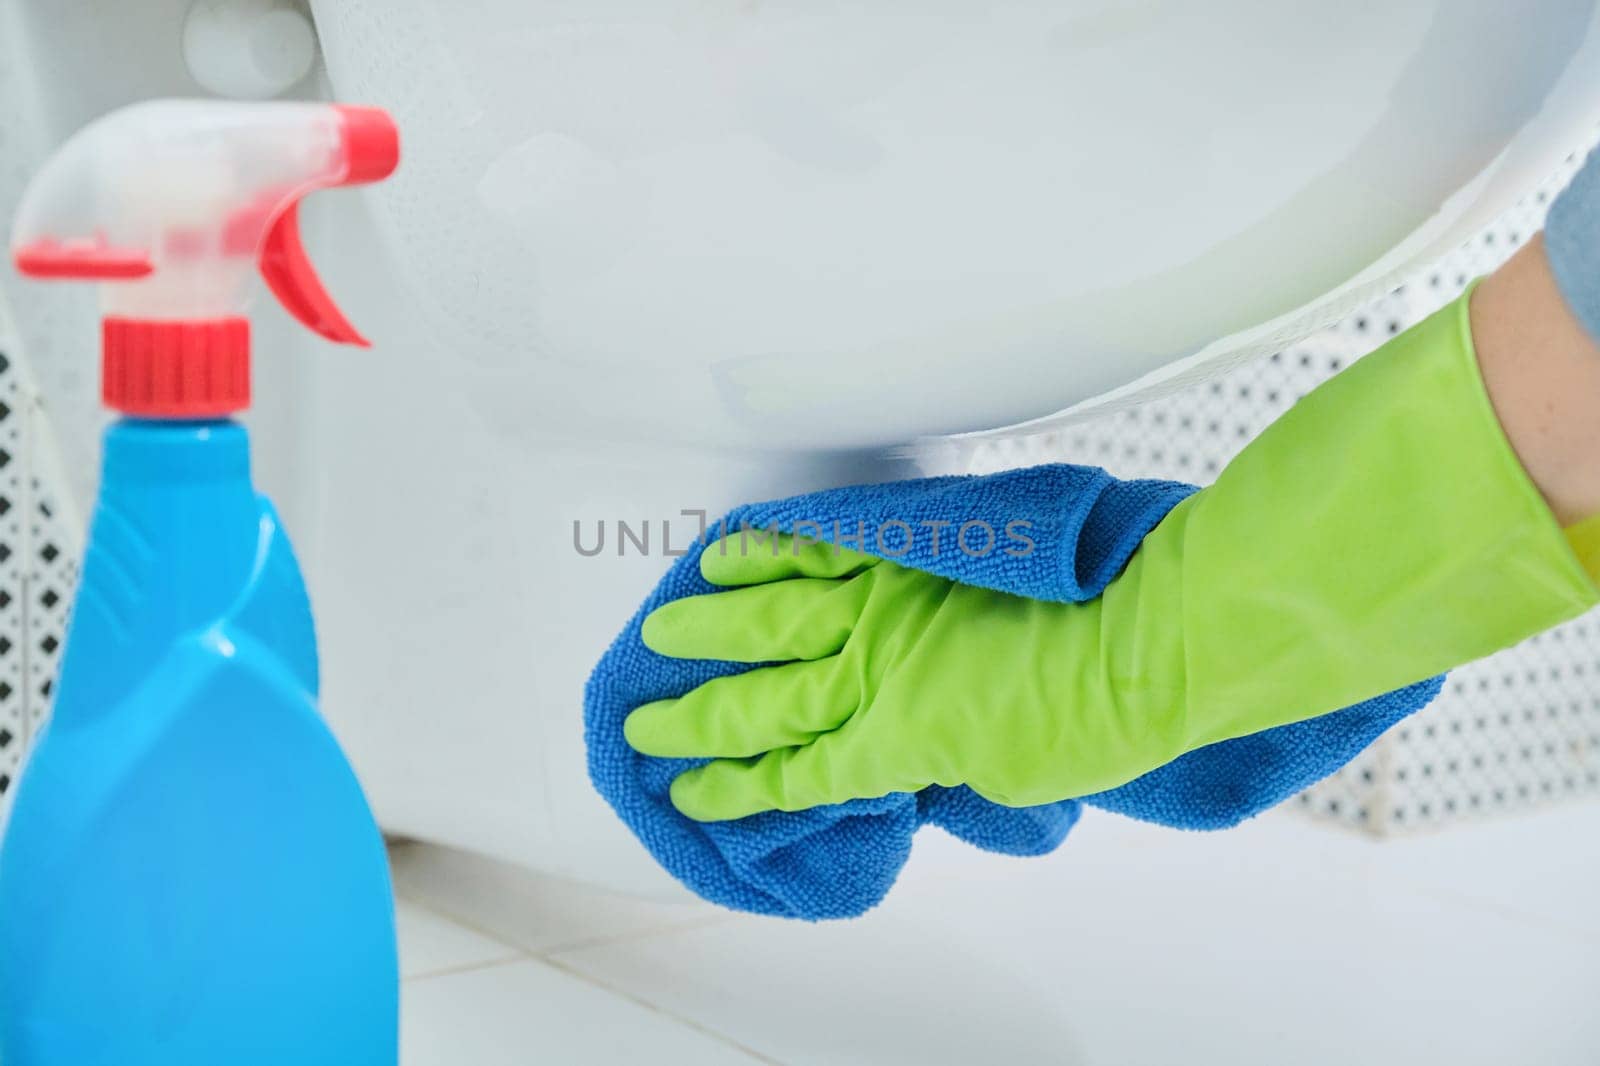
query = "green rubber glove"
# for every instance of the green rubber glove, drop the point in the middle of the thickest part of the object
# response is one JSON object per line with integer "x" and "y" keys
{"x": 1380, "y": 532}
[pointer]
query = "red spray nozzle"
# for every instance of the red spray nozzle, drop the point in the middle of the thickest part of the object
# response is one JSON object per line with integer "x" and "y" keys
{"x": 372, "y": 143}
{"x": 173, "y": 204}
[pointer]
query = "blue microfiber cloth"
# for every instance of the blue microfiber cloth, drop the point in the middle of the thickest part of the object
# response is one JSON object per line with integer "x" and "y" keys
{"x": 840, "y": 861}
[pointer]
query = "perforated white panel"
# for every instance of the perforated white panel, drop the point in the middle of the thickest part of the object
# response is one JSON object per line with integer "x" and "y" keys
{"x": 39, "y": 553}
{"x": 15, "y": 718}
{"x": 1519, "y": 728}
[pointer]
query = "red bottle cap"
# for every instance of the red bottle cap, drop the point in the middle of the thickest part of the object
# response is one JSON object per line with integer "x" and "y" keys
{"x": 176, "y": 369}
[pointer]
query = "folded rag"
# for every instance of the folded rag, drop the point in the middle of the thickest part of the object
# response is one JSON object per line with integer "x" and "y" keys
{"x": 840, "y": 861}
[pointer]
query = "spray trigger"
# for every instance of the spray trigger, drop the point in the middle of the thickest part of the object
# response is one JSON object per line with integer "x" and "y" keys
{"x": 293, "y": 280}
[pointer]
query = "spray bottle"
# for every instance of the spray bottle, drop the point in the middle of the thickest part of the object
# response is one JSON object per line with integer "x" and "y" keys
{"x": 190, "y": 872}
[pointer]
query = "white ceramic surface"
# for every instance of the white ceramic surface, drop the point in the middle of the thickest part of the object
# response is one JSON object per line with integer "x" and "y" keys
{"x": 650, "y": 255}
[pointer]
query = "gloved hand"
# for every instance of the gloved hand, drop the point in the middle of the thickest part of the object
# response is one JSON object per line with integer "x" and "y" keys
{"x": 1378, "y": 533}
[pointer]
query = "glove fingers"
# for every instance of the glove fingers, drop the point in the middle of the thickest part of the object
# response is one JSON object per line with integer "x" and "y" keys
{"x": 802, "y": 618}
{"x": 788, "y": 779}
{"x": 753, "y": 558}
{"x": 745, "y": 714}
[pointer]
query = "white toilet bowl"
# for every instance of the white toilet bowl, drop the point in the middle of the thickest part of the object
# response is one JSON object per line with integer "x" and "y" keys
{"x": 646, "y": 257}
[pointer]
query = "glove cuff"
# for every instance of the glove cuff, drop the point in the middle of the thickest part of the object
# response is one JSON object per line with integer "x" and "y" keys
{"x": 1380, "y": 532}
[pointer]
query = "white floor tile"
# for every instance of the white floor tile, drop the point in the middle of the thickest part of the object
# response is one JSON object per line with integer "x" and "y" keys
{"x": 536, "y": 914}
{"x": 527, "y": 1012}
{"x": 1280, "y": 942}
{"x": 431, "y": 943}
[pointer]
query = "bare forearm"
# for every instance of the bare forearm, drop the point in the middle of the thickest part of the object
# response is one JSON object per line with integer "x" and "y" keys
{"x": 1542, "y": 371}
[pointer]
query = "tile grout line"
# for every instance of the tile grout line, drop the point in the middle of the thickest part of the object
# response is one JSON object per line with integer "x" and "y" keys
{"x": 514, "y": 952}
{"x": 468, "y": 967}
{"x": 544, "y": 958}
{"x": 710, "y": 921}
{"x": 581, "y": 944}
{"x": 689, "y": 1023}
